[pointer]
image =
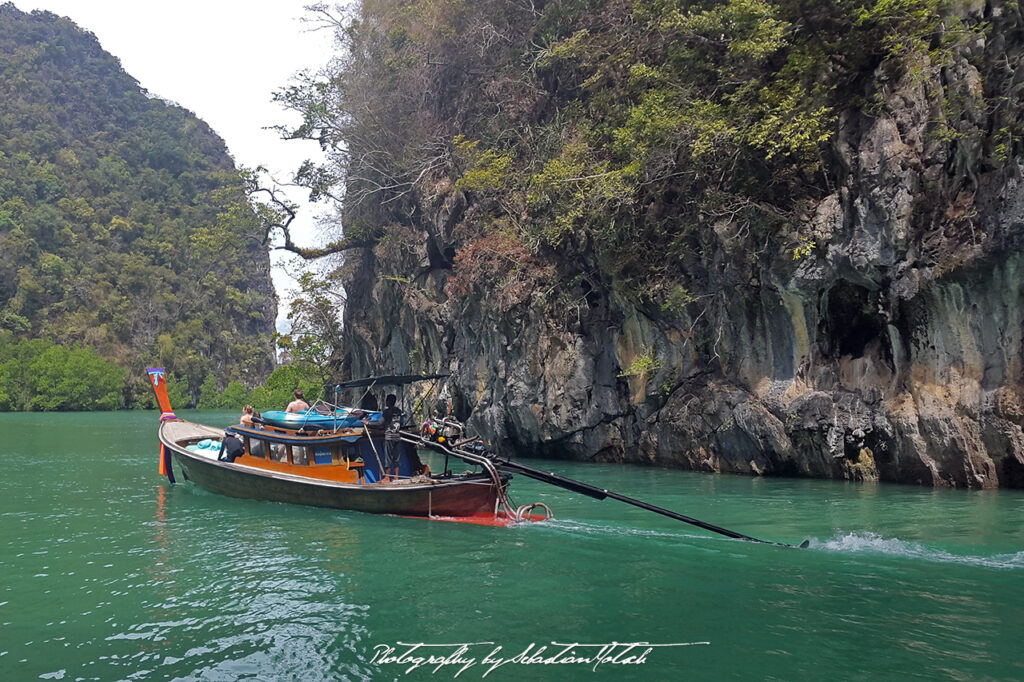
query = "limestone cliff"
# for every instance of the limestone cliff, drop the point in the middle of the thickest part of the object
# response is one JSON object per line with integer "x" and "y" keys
{"x": 876, "y": 335}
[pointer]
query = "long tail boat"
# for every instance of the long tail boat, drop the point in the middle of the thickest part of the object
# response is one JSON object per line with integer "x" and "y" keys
{"x": 326, "y": 460}
{"x": 340, "y": 468}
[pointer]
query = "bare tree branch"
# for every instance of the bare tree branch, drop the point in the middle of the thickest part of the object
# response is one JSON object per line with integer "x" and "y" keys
{"x": 276, "y": 215}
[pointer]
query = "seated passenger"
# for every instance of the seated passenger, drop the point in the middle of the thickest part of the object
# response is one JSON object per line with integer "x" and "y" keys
{"x": 247, "y": 415}
{"x": 299, "y": 404}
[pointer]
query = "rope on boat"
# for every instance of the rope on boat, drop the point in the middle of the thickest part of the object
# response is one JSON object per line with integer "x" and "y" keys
{"x": 374, "y": 447}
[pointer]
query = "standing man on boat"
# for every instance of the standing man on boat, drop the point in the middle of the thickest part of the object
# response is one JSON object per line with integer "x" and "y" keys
{"x": 391, "y": 422}
{"x": 299, "y": 404}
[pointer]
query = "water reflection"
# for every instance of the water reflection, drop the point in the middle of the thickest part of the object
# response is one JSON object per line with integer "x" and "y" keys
{"x": 240, "y": 588}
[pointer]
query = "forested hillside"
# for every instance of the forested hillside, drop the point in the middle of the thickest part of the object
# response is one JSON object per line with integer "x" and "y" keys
{"x": 759, "y": 236}
{"x": 124, "y": 227}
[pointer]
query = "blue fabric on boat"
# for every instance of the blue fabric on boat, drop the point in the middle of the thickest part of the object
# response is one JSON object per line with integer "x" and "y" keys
{"x": 207, "y": 446}
{"x": 165, "y": 453}
{"x": 373, "y": 457}
{"x": 322, "y": 456}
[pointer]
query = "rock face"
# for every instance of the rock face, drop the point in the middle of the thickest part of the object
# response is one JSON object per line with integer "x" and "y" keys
{"x": 887, "y": 349}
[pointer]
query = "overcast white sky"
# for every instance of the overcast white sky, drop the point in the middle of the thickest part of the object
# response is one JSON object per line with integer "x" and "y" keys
{"x": 223, "y": 60}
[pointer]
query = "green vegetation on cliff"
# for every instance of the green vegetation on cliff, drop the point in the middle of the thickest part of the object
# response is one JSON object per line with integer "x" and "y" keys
{"x": 757, "y": 236}
{"x": 612, "y": 138}
{"x": 125, "y": 232}
{"x": 274, "y": 394}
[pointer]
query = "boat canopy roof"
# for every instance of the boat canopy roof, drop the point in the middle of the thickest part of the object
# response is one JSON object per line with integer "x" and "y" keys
{"x": 389, "y": 380}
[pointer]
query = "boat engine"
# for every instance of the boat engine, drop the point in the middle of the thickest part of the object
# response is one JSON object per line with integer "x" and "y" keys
{"x": 439, "y": 430}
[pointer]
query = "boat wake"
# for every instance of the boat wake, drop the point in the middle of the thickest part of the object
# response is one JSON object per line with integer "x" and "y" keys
{"x": 585, "y": 528}
{"x": 873, "y": 543}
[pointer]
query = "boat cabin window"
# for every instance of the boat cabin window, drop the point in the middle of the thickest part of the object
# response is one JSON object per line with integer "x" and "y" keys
{"x": 336, "y": 453}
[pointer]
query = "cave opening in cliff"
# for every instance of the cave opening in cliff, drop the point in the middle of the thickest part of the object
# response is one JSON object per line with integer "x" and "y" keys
{"x": 439, "y": 260}
{"x": 851, "y": 322}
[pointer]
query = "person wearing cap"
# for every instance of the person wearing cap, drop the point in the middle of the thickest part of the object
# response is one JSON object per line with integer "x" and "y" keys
{"x": 231, "y": 448}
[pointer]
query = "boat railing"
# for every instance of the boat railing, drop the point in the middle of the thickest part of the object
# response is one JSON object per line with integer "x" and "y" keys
{"x": 466, "y": 456}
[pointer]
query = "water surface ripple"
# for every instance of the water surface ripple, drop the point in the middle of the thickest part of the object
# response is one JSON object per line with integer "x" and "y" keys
{"x": 110, "y": 573}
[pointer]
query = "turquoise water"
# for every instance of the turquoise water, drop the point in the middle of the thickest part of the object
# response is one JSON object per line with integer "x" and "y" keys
{"x": 107, "y": 572}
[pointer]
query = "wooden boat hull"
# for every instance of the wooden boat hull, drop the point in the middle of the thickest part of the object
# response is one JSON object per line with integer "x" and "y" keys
{"x": 445, "y": 497}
